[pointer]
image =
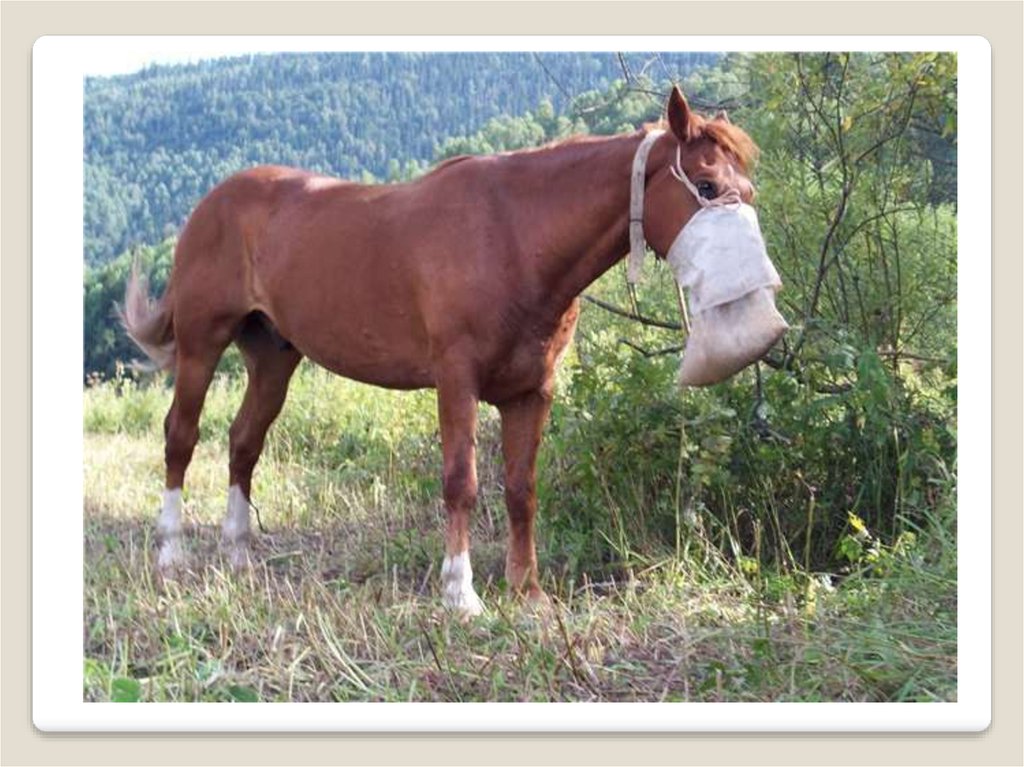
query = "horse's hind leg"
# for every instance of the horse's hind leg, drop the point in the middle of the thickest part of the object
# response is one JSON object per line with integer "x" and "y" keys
{"x": 457, "y": 409}
{"x": 270, "y": 364}
{"x": 194, "y": 370}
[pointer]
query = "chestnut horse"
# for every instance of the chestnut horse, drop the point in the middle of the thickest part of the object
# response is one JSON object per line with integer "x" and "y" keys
{"x": 465, "y": 280}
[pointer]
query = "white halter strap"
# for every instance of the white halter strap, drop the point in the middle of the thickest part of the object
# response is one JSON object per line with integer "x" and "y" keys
{"x": 637, "y": 244}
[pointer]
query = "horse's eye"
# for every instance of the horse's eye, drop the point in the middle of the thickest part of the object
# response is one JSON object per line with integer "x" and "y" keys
{"x": 706, "y": 190}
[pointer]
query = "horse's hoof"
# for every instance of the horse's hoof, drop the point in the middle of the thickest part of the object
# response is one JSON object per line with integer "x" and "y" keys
{"x": 237, "y": 556}
{"x": 536, "y": 596}
{"x": 171, "y": 563}
{"x": 465, "y": 605}
{"x": 536, "y": 603}
{"x": 457, "y": 592}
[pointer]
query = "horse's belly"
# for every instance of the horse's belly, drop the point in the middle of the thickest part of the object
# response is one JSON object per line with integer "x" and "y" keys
{"x": 366, "y": 356}
{"x": 364, "y": 333}
{"x": 391, "y": 374}
{"x": 349, "y": 315}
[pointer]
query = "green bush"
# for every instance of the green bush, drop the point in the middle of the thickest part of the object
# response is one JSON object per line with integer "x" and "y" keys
{"x": 635, "y": 467}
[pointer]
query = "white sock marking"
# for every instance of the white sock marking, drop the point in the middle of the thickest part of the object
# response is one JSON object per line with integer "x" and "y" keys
{"x": 235, "y": 529}
{"x": 168, "y": 532}
{"x": 457, "y": 585}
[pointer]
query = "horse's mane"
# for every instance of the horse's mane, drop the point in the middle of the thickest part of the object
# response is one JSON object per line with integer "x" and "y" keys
{"x": 734, "y": 140}
{"x": 450, "y": 161}
{"x": 576, "y": 138}
{"x": 731, "y": 138}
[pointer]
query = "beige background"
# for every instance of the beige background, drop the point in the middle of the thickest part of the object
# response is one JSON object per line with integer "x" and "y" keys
{"x": 22, "y": 23}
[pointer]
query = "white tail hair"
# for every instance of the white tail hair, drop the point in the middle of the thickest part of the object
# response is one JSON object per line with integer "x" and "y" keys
{"x": 147, "y": 322}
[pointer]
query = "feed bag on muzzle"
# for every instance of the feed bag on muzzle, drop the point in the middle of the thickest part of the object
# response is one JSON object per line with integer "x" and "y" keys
{"x": 719, "y": 257}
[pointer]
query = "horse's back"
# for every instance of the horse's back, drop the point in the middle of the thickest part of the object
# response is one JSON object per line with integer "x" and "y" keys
{"x": 318, "y": 258}
{"x": 232, "y": 221}
{"x": 241, "y": 203}
{"x": 374, "y": 282}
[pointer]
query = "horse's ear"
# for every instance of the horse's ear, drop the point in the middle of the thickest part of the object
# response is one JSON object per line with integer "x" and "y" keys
{"x": 680, "y": 118}
{"x": 723, "y": 116}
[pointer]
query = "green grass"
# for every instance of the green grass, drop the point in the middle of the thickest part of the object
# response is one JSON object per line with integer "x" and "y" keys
{"x": 343, "y": 601}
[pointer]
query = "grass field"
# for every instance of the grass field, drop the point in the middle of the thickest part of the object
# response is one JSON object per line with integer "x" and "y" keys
{"x": 343, "y": 604}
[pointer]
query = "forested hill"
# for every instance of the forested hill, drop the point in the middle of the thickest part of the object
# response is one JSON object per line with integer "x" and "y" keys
{"x": 157, "y": 140}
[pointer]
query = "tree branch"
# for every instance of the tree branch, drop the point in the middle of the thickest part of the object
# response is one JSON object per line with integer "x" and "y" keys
{"x": 648, "y": 321}
{"x": 647, "y": 352}
{"x": 562, "y": 88}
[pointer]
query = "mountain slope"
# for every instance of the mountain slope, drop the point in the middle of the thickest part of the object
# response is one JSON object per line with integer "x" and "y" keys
{"x": 156, "y": 141}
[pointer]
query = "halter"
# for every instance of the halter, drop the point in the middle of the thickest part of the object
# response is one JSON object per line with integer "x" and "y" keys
{"x": 637, "y": 244}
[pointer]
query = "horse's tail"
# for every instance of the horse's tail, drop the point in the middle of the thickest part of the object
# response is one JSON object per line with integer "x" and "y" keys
{"x": 148, "y": 322}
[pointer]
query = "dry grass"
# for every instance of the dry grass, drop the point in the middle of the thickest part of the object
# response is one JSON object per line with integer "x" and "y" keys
{"x": 343, "y": 605}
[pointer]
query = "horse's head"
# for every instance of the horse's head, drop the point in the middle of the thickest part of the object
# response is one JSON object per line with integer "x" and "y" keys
{"x": 716, "y": 156}
{"x": 697, "y": 213}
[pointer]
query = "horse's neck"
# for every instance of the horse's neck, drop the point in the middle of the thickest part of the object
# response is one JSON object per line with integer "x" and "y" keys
{"x": 579, "y": 213}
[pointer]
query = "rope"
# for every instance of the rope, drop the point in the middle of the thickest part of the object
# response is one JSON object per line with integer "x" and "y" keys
{"x": 259, "y": 521}
{"x": 729, "y": 197}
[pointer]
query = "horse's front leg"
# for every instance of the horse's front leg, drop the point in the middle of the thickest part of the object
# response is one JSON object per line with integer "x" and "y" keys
{"x": 457, "y": 410}
{"x": 522, "y": 424}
